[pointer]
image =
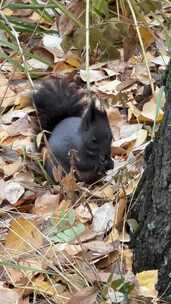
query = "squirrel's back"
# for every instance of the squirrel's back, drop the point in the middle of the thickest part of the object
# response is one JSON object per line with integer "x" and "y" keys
{"x": 56, "y": 100}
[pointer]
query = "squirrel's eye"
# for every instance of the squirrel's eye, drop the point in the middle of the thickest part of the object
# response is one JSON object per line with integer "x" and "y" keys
{"x": 94, "y": 139}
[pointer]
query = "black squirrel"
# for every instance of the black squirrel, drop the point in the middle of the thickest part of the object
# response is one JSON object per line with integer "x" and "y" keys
{"x": 74, "y": 126}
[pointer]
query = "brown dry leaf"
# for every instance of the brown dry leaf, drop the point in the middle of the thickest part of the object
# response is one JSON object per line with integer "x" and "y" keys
{"x": 115, "y": 117}
{"x": 84, "y": 296}
{"x": 23, "y": 236}
{"x": 119, "y": 151}
{"x": 62, "y": 68}
{"x": 9, "y": 296}
{"x": 65, "y": 24}
{"x": 70, "y": 185}
{"x": 23, "y": 100}
{"x": 121, "y": 206}
{"x": 16, "y": 276}
{"x": 105, "y": 193}
{"x": 35, "y": 263}
{"x": 24, "y": 301}
{"x": 100, "y": 276}
{"x": 147, "y": 36}
{"x": 147, "y": 281}
{"x": 10, "y": 169}
{"x": 110, "y": 259}
{"x": 46, "y": 204}
{"x": 44, "y": 54}
{"x": 7, "y": 96}
{"x": 130, "y": 43}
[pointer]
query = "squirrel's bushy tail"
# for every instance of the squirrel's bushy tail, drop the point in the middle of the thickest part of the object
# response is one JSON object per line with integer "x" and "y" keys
{"x": 56, "y": 100}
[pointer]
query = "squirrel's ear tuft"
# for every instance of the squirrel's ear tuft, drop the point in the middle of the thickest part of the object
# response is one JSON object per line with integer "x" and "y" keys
{"x": 90, "y": 116}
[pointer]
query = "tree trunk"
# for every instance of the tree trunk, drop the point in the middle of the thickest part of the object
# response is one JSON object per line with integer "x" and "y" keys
{"x": 152, "y": 204}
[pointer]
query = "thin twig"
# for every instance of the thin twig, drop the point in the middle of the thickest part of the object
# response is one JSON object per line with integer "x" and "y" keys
{"x": 141, "y": 43}
{"x": 19, "y": 47}
{"x": 88, "y": 43}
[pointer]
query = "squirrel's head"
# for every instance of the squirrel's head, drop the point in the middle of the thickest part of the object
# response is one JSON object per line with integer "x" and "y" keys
{"x": 97, "y": 136}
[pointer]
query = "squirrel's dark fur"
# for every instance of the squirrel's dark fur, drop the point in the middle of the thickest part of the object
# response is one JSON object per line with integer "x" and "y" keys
{"x": 74, "y": 127}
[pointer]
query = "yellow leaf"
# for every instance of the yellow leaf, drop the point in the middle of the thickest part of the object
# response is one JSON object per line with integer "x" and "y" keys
{"x": 73, "y": 60}
{"x": 23, "y": 236}
{"x": 43, "y": 286}
{"x": 147, "y": 281}
{"x": 147, "y": 36}
{"x": 7, "y": 12}
{"x": 149, "y": 111}
{"x": 141, "y": 137}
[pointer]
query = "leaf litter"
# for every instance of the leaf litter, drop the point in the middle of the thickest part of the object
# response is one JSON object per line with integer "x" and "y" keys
{"x": 59, "y": 239}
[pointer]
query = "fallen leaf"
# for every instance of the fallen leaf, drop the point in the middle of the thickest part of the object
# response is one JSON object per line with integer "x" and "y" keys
{"x": 147, "y": 36}
{"x": 84, "y": 296}
{"x": 51, "y": 40}
{"x": 161, "y": 60}
{"x": 13, "y": 191}
{"x": 23, "y": 236}
{"x": 147, "y": 281}
{"x": 109, "y": 87}
{"x": 66, "y": 25}
{"x": 9, "y": 296}
{"x": 93, "y": 75}
{"x": 7, "y": 96}
{"x": 120, "y": 211}
{"x": 148, "y": 114}
{"x": 36, "y": 64}
{"x": 20, "y": 126}
{"x": 43, "y": 286}
{"x": 106, "y": 192}
{"x": 103, "y": 218}
{"x": 73, "y": 60}
{"x": 98, "y": 247}
{"x": 141, "y": 137}
{"x": 62, "y": 68}
{"x": 70, "y": 185}
{"x": 23, "y": 100}
{"x": 83, "y": 214}
{"x": 10, "y": 169}
{"x": 46, "y": 204}
{"x": 149, "y": 111}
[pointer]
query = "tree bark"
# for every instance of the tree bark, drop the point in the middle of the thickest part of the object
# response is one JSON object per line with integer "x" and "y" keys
{"x": 152, "y": 204}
